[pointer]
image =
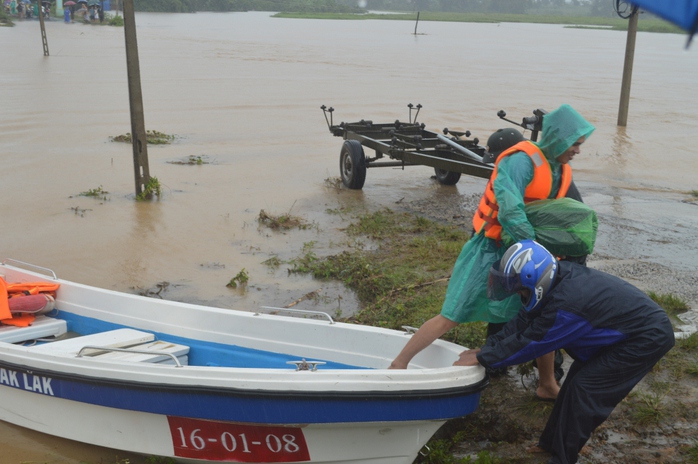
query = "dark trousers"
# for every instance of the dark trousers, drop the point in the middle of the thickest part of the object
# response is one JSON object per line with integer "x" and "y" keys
{"x": 592, "y": 390}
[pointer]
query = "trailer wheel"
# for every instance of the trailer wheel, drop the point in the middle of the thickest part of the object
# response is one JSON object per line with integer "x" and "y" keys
{"x": 352, "y": 164}
{"x": 447, "y": 177}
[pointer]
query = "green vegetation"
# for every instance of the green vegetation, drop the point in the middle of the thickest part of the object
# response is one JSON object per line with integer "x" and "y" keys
{"x": 152, "y": 188}
{"x": 399, "y": 265}
{"x": 98, "y": 192}
{"x": 282, "y": 222}
{"x": 649, "y": 409}
{"x": 152, "y": 136}
{"x": 440, "y": 453}
{"x": 192, "y": 160}
{"x": 274, "y": 262}
{"x": 401, "y": 277}
{"x": 613, "y": 23}
{"x": 584, "y": 13}
{"x": 692, "y": 453}
{"x": 671, "y": 304}
{"x": 190, "y": 6}
{"x": 241, "y": 279}
{"x": 116, "y": 20}
{"x": 159, "y": 460}
{"x": 5, "y": 19}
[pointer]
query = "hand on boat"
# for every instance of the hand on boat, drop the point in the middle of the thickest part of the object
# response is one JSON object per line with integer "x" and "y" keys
{"x": 468, "y": 358}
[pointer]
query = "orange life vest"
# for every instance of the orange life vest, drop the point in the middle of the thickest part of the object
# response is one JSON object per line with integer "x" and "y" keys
{"x": 538, "y": 189}
{"x": 15, "y": 290}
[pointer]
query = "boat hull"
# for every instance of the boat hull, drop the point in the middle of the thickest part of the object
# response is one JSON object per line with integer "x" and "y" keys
{"x": 193, "y": 440}
{"x": 231, "y": 392}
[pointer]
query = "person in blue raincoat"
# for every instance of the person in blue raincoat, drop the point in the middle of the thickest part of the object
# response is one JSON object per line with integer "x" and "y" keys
{"x": 518, "y": 172}
{"x": 66, "y": 15}
{"x": 614, "y": 332}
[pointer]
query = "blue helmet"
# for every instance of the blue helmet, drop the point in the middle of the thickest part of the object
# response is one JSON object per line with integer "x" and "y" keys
{"x": 526, "y": 265}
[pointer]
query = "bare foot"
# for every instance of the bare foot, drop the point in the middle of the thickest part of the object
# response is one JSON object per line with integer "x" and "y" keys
{"x": 535, "y": 449}
{"x": 548, "y": 392}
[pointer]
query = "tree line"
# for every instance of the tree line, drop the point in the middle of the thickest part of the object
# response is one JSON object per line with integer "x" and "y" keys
{"x": 190, "y": 6}
{"x": 556, "y": 7}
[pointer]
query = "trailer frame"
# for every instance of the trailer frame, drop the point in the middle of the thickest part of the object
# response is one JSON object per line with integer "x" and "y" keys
{"x": 402, "y": 144}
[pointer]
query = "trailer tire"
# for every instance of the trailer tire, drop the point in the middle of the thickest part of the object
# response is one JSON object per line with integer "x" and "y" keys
{"x": 447, "y": 177}
{"x": 352, "y": 164}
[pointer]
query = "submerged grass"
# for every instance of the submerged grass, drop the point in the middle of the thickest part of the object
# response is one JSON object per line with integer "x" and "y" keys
{"x": 399, "y": 269}
{"x": 612, "y": 23}
{"x": 153, "y": 137}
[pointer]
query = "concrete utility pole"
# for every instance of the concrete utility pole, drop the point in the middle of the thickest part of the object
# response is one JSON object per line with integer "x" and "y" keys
{"x": 44, "y": 40}
{"x": 138, "y": 135}
{"x": 628, "y": 69}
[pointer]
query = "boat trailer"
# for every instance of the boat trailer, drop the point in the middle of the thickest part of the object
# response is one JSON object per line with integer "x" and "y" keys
{"x": 400, "y": 144}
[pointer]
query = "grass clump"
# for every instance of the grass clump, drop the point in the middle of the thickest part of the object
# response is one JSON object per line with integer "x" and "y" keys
{"x": 671, "y": 304}
{"x": 98, "y": 192}
{"x": 117, "y": 21}
{"x": 399, "y": 270}
{"x": 153, "y": 137}
{"x": 649, "y": 409}
{"x": 152, "y": 188}
{"x": 240, "y": 279}
{"x": 284, "y": 221}
{"x": 274, "y": 262}
{"x": 191, "y": 160}
{"x": 692, "y": 453}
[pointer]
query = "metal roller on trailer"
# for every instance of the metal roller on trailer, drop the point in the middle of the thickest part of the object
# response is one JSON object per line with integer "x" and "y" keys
{"x": 401, "y": 144}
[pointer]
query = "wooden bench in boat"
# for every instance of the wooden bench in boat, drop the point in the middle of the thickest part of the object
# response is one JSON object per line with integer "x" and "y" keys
{"x": 42, "y": 327}
{"x": 143, "y": 345}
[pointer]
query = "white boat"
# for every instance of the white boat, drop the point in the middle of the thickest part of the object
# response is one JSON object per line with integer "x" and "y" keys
{"x": 202, "y": 384}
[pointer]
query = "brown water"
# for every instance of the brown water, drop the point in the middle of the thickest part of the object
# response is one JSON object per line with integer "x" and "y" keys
{"x": 244, "y": 92}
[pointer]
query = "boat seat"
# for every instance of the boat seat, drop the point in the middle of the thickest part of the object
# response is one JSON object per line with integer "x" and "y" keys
{"x": 42, "y": 327}
{"x": 119, "y": 338}
{"x": 160, "y": 353}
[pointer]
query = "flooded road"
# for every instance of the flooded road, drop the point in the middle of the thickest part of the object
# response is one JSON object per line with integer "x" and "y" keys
{"x": 243, "y": 91}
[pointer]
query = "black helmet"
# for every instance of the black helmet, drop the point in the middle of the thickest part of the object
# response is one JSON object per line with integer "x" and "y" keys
{"x": 500, "y": 141}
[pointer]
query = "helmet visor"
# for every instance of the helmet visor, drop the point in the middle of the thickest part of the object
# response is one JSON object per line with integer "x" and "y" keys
{"x": 502, "y": 285}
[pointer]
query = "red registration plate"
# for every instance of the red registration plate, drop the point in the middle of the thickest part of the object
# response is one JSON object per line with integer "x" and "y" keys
{"x": 223, "y": 441}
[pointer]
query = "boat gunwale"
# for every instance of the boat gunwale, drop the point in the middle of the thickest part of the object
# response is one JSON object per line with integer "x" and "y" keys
{"x": 455, "y": 391}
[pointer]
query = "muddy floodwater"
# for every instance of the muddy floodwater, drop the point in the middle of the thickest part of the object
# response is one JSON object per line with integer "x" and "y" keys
{"x": 243, "y": 91}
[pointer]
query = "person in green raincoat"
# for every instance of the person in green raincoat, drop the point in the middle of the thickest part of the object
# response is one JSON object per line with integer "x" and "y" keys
{"x": 516, "y": 172}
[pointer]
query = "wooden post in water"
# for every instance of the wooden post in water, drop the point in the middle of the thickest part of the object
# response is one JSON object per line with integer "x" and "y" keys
{"x": 138, "y": 135}
{"x": 415, "y": 24}
{"x": 44, "y": 40}
{"x": 628, "y": 69}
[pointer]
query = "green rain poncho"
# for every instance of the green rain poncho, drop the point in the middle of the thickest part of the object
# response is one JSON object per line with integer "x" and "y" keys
{"x": 466, "y": 298}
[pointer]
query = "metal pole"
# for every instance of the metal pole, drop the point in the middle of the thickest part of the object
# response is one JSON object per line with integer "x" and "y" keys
{"x": 44, "y": 40}
{"x": 627, "y": 69}
{"x": 138, "y": 135}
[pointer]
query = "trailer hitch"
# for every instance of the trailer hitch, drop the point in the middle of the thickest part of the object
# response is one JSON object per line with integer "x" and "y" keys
{"x": 326, "y": 110}
{"x": 533, "y": 123}
{"x": 419, "y": 107}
